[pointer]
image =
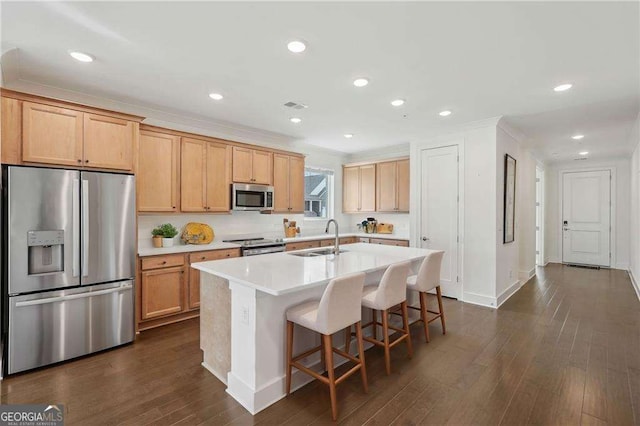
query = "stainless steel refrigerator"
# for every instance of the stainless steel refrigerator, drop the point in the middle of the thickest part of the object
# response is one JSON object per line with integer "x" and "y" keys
{"x": 68, "y": 264}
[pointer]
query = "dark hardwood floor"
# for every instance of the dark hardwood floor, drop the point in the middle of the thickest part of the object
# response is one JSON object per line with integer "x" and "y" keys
{"x": 564, "y": 350}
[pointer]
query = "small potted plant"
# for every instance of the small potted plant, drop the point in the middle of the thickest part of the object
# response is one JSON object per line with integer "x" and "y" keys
{"x": 168, "y": 233}
{"x": 157, "y": 236}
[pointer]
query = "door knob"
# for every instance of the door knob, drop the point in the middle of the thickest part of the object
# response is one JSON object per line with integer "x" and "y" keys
{"x": 425, "y": 239}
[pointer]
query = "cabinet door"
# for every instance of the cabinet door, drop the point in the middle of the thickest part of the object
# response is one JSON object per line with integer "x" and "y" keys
{"x": 108, "y": 142}
{"x": 242, "y": 165}
{"x": 296, "y": 184}
{"x": 158, "y": 172}
{"x": 368, "y": 188}
{"x": 262, "y": 167}
{"x": 10, "y": 131}
{"x": 281, "y": 183}
{"x": 193, "y": 175}
{"x": 350, "y": 189}
{"x": 51, "y": 135}
{"x": 386, "y": 187}
{"x": 218, "y": 184}
{"x": 162, "y": 292}
{"x": 403, "y": 185}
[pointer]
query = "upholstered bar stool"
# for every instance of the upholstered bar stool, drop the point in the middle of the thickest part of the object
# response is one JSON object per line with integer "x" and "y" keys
{"x": 338, "y": 308}
{"x": 427, "y": 279}
{"x": 391, "y": 291}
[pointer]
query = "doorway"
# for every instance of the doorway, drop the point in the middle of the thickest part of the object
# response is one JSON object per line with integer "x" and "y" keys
{"x": 439, "y": 211}
{"x": 539, "y": 217}
{"x": 586, "y": 218}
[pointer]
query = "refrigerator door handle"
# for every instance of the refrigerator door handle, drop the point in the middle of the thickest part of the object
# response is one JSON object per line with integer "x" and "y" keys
{"x": 75, "y": 207}
{"x": 73, "y": 296}
{"x": 85, "y": 227}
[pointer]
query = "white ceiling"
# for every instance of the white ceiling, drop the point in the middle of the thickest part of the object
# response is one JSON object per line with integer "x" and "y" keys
{"x": 479, "y": 60}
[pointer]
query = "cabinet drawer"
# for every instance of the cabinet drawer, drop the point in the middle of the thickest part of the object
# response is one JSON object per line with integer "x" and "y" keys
{"x": 343, "y": 240}
{"x": 302, "y": 245}
{"x": 399, "y": 243}
{"x": 204, "y": 256}
{"x": 162, "y": 261}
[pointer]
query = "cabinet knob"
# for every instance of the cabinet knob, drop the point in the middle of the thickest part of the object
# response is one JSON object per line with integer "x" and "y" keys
{"x": 173, "y": 207}
{"x": 86, "y": 161}
{"x": 164, "y": 262}
{"x": 79, "y": 160}
{"x": 203, "y": 258}
{"x": 228, "y": 255}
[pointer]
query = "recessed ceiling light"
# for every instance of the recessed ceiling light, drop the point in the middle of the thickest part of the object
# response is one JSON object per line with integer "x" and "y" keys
{"x": 216, "y": 96}
{"x": 445, "y": 113}
{"x": 295, "y": 120}
{"x": 360, "y": 82}
{"x": 563, "y": 87}
{"x": 397, "y": 102}
{"x": 348, "y": 135}
{"x": 82, "y": 57}
{"x": 296, "y": 46}
{"x": 577, "y": 137}
{"x": 583, "y": 152}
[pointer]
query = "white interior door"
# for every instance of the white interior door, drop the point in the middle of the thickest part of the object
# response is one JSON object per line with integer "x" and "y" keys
{"x": 586, "y": 218}
{"x": 439, "y": 211}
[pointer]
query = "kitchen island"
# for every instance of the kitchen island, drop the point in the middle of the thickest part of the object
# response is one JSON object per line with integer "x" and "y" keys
{"x": 243, "y": 305}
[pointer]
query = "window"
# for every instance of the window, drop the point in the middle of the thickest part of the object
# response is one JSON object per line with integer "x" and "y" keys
{"x": 318, "y": 193}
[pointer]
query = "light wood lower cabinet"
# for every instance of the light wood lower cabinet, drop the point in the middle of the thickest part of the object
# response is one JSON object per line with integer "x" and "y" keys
{"x": 342, "y": 241}
{"x": 162, "y": 292}
{"x": 302, "y": 245}
{"x": 170, "y": 288}
{"x": 388, "y": 242}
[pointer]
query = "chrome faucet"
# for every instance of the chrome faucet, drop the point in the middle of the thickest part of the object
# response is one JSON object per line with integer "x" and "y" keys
{"x": 336, "y": 245}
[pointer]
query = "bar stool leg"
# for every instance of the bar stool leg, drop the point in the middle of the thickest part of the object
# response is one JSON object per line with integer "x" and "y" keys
{"x": 423, "y": 315}
{"x": 363, "y": 368}
{"x": 385, "y": 335}
{"x": 289, "y": 354}
{"x": 347, "y": 339}
{"x": 322, "y": 357}
{"x": 374, "y": 314}
{"x": 439, "y": 293}
{"x": 405, "y": 325}
{"x": 328, "y": 349}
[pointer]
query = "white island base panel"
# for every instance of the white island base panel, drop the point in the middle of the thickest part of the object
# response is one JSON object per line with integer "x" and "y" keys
{"x": 246, "y": 343}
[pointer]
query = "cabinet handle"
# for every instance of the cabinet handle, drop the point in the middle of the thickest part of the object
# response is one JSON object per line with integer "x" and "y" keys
{"x": 86, "y": 161}
{"x": 173, "y": 207}
{"x": 228, "y": 254}
{"x": 164, "y": 262}
{"x": 203, "y": 258}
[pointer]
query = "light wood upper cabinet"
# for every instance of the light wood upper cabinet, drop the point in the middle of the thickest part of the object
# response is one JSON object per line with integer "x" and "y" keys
{"x": 11, "y": 131}
{"x": 359, "y": 188}
{"x": 51, "y": 135}
{"x": 393, "y": 186}
{"x": 162, "y": 292}
{"x": 252, "y": 166}
{"x": 205, "y": 176}
{"x": 368, "y": 188}
{"x": 288, "y": 184}
{"x": 404, "y": 189}
{"x": 218, "y": 182}
{"x": 108, "y": 142}
{"x": 193, "y": 175}
{"x": 158, "y": 157}
{"x": 382, "y": 187}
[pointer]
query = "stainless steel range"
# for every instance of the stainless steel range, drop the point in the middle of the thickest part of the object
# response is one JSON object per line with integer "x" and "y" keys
{"x": 255, "y": 246}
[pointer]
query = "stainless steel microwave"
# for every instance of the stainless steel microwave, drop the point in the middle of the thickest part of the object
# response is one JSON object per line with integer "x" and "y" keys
{"x": 251, "y": 197}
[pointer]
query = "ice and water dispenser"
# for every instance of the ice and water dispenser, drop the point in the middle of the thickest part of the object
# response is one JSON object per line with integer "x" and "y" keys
{"x": 46, "y": 251}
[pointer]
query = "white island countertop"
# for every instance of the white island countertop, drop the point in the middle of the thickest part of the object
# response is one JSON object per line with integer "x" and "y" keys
{"x": 283, "y": 273}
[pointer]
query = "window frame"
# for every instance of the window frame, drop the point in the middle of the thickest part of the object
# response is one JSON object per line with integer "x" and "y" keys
{"x": 330, "y": 193}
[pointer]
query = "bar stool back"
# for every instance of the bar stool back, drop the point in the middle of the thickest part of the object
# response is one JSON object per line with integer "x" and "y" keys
{"x": 427, "y": 279}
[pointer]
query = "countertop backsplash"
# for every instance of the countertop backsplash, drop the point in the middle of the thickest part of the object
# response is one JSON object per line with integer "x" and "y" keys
{"x": 254, "y": 224}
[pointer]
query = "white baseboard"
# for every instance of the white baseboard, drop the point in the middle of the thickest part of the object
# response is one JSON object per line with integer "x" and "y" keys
{"x": 634, "y": 283}
{"x": 479, "y": 299}
{"x": 215, "y": 373}
{"x": 510, "y": 291}
{"x": 524, "y": 276}
{"x": 623, "y": 266}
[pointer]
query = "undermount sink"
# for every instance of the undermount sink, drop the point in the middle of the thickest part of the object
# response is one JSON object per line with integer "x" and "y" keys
{"x": 315, "y": 253}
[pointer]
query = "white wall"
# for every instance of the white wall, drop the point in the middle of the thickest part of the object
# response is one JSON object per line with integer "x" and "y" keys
{"x": 634, "y": 226}
{"x": 619, "y": 197}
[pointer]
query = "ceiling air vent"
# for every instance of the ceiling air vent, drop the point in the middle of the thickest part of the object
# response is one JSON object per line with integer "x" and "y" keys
{"x": 295, "y": 105}
{"x": 580, "y": 159}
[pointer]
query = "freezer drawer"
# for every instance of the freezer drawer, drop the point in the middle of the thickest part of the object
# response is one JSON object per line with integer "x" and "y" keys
{"x": 55, "y": 326}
